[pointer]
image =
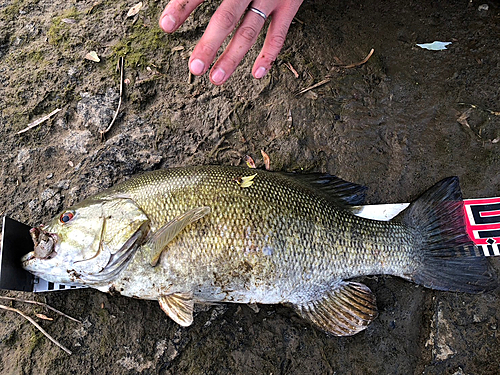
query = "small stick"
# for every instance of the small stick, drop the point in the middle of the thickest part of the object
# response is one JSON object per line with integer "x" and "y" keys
{"x": 37, "y": 326}
{"x": 39, "y": 121}
{"x": 41, "y": 304}
{"x": 494, "y": 113}
{"x": 103, "y": 133}
{"x": 299, "y": 21}
{"x": 359, "y": 63}
{"x": 291, "y": 68}
{"x": 314, "y": 86}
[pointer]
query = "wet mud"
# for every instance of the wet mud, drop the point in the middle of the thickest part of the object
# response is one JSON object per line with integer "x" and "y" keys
{"x": 397, "y": 124}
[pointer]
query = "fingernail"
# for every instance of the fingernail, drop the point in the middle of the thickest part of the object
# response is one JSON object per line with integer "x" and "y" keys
{"x": 218, "y": 75}
{"x": 261, "y": 72}
{"x": 197, "y": 66}
{"x": 168, "y": 23}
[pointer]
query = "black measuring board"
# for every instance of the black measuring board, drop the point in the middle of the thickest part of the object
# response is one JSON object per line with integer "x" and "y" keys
{"x": 16, "y": 242}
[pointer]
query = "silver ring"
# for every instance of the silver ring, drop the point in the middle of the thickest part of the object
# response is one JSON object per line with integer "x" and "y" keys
{"x": 259, "y": 12}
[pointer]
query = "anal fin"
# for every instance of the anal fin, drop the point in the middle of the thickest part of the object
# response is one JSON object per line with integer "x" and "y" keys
{"x": 344, "y": 311}
{"x": 160, "y": 239}
{"x": 179, "y": 307}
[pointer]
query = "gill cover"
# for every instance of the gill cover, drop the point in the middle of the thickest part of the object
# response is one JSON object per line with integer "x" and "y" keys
{"x": 92, "y": 242}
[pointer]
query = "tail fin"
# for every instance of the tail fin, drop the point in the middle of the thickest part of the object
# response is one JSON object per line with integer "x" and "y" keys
{"x": 449, "y": 259}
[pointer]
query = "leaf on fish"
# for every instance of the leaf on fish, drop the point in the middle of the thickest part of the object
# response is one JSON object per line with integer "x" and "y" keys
{"x": 245, "y": 181}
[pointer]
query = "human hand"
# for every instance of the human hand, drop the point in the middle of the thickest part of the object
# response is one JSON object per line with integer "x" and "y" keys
{"x": 223, "y": 22}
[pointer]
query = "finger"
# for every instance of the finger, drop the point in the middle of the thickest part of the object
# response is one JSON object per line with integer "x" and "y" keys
{"x": 176, "y": 12}
{"x": 220, "y": 26}
{"x": 275, "y": 38}
{"x": 244, "y": 38}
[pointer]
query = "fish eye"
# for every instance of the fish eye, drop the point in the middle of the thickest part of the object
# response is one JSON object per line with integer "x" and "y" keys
{"x": 66, "y": 216}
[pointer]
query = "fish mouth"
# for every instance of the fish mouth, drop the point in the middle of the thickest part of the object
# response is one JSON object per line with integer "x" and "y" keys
{"x": 45, "y": 243}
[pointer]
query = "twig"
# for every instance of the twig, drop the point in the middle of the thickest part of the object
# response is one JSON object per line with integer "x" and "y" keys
{"x": 37, "y": 326}
{"x": 41, "y": 304}
{"x": 292, "y": 69}
{"x": 39, "y": 121}
{"x": 359, "y": 63}
{"x": 494, "y": 113}
{"x": 340, "y": 66}
{"x": 299, "y": 21}
{"x": 103, "y": 133}
{"x": 314, "y": 86}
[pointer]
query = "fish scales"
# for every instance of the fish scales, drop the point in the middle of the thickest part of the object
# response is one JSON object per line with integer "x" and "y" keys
{"x": 276, "y": 234}
{"x": 231, "y": 234}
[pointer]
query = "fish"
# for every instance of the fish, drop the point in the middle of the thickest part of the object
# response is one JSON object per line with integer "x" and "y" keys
{"x": 211, "y": 234}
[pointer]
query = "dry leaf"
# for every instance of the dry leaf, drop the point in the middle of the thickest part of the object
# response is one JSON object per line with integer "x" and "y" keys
{"x": 178, "y": 48}
{"x": 462, "y": 120}
{"x": 69, "y": 20}
{"x": 247, "y": 181}
{"x": 92, "y": 56}
{"x": 249, "y": 161}
{"x": 267, "y": 160}
{"x": 44, "y": 317}
{"x": 134, "y": 10}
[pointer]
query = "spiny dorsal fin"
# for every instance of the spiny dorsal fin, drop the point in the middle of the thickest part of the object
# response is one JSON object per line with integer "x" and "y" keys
{"x": 343, "y": 311}
{"x": 179, "y": 307}
{"x": 341, "y": 192}
{"x": 161, "y": 238}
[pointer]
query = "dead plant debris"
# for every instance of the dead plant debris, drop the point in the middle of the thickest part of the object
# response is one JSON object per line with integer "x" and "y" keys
{"x": 41, "y": 316}
{"x": 103, "y": 132}
{"x": 39, "y": 121}
{"x": 134, "y": 10}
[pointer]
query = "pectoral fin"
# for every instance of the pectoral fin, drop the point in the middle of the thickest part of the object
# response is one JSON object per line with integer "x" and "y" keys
{"x": 160, "y": 239}
{"x": 179, "y": 307}
{"x": 344, "y": 311}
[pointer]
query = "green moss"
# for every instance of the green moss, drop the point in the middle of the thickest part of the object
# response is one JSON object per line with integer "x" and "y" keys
{"x": 11, "y": 11}
{"x": 34, "y": 340}
{"x": 141, "y": 44}
{"x": 103, "y": 315}
{"x": 59, "y": 31}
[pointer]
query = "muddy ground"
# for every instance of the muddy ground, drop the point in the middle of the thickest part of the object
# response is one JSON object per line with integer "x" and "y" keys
{"x": 397, "y": 124}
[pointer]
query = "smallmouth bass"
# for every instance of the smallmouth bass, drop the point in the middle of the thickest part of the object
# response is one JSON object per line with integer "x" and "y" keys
{"x": 232, "y": 234}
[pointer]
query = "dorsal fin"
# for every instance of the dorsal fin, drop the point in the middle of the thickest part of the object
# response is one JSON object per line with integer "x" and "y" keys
{"x": 341, "y": 192}
{"x": 344, "y": 311}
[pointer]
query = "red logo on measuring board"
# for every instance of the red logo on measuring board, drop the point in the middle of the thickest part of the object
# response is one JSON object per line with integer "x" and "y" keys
{"x": 483, "y": 223}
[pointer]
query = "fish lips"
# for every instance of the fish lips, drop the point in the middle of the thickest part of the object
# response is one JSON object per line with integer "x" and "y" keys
{"x": 45, "y": 244}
